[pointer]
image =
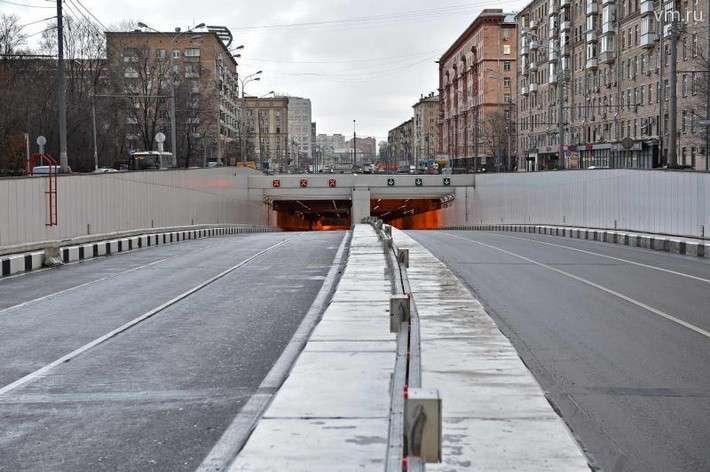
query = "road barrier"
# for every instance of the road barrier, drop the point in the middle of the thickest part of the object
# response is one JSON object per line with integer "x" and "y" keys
{"x": 656, "y": 242}
{"x": 64, "y": 252}
{"x": 415, "y": 423}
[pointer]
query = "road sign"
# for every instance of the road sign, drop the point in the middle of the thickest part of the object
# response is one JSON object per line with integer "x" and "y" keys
{"x": 332, "y": 183}
{"x": 41, "y": 141}
{"x": 447, "y": 181}
{"x": 390, "y": 182}
{"x": 160, "y": 138}
{"x": 276, "y": 183}
{"x": 419, "y": 182}
{"x": 303, "y": 183}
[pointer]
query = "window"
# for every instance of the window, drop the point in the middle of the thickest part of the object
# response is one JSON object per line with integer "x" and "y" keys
{"x": 506, "y": 82}
{"x": 176, "y": 54}
{"x": 192, "y": 52}
{"x": 506, "y": 49}
{"x": 684, "y": 86}
{"x": 506, "y": 65}
{"x": 160, "y": 53}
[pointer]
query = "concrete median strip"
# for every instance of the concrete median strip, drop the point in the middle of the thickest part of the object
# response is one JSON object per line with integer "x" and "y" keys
{"x": 495, "y": 415}
{"x": 15, "y": 264}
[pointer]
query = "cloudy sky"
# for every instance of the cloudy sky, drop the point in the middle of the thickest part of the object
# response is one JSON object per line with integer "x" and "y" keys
{"x": 364, "y": 60}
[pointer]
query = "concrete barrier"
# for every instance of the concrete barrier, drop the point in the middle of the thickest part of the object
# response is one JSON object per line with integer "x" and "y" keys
{"x": 13, "y": 264}
{"x": 673, "y": 245}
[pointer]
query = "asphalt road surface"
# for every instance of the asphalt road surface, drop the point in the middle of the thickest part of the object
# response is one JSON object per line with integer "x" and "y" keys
{"x": 157, "y": 396}
{"x": 618, "y": 337}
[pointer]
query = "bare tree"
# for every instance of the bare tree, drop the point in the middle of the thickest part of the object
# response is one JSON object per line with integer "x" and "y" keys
{"x": 11, "y": 35}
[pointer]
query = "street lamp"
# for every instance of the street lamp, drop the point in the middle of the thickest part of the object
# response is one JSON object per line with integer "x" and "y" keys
{"x": 249, "y": 78}
{"x": 173, "y": 125}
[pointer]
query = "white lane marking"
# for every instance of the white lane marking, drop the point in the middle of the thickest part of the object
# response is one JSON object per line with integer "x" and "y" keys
{"x": 237, "y": 433}
{"x": 653, "y": 310}
{"x": 76, "y": 287}
{"x": 66, "y": 358}
{"x": 640, "y": 264}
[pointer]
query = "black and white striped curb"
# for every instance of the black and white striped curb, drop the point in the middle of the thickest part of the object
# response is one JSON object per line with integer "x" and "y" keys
{"x": 28, "y": 261}
{"x": 682, "y": 246}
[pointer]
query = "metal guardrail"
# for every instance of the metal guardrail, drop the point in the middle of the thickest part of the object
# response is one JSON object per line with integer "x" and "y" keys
{"x": 407, "y": 370}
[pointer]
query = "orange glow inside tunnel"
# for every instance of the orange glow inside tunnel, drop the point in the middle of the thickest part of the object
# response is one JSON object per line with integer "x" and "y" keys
{"x": 329, "y": 215}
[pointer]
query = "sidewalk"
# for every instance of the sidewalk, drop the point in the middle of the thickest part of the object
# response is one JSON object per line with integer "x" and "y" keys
{"x": 331, "y": 414}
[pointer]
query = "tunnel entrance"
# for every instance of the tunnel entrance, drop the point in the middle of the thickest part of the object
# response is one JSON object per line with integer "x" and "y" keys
{"x": 333, "y": 215}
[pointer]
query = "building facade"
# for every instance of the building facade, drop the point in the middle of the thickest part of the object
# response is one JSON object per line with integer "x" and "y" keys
{"x": 366, "y": 148}
{"x": 400, "y": 145}
{"x": 426, "y": 114}
{"x": 477, "y": 83}
{"x": 265, "y": 133}
{"x": 299, "y": 131}
{"x": 148, "y": 68}
{"x": 609, "y": 61}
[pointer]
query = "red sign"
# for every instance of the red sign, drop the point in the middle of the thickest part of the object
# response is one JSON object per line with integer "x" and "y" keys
{"x": 276, "y": 183}
{"x": 332, "y": 183}
{"x": 304, "y": 183}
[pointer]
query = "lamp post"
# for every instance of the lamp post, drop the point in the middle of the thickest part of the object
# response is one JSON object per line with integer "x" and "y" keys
{"x": 173, "y": 121}
{"x": 250, "y": 78}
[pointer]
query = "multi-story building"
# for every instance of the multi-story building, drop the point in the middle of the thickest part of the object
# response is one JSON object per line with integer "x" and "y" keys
{"x": 426, "y": 117}
{"x": 366, "y": 148}
{"x": 400, "y": 142}
{"x": 477, "y": 83}
{"x": 327, "y": 144}
{"x": 299, "y": 131}
{"x": 611, "y": 60}
{"x": 198, "y": 70}
{"x": 265, "y": 132}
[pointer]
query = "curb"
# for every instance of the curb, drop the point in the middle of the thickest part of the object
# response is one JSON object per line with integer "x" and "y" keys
{"x": 673, "y": 245}
{"x": 30, "y": 261}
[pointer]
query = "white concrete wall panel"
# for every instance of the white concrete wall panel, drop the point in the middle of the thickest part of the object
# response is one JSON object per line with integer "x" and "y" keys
{"x": 95, "y": 204}
{"x": 675, "y": 203}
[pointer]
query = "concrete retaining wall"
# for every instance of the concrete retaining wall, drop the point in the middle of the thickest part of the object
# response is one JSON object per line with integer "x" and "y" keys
{"x": 674, "y": 203}
{"x": 95, "y": 204}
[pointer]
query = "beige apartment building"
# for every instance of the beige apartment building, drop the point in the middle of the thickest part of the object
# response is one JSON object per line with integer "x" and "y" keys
{"x": 477, "y": 83}
{"x": 611, "y": 60}
{"x": 264, "y": 128}
{"x": 426, "y": 133}
{"x": 145, "y": 67}
{"x": 400, "y": 144}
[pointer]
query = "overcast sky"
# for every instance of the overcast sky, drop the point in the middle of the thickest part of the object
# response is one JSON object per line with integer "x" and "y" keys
{"x": 364, "y": 60}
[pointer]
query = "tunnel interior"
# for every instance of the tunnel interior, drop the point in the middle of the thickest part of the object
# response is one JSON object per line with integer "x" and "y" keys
{"x": 330, "y": 215}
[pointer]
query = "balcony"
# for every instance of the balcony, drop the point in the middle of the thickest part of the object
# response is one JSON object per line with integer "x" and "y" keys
{"x": 648, "y": 40}
{"x": 592, "y": 36}
{"x": 552, "y": 79}
{"x": 592, "y": 63}
{"x": 533, "y": 87}
{"x": 533, "y": 66}
{"x": 607, "y": 57}
{"x": 608, "y": 28}
{"x": 534, "y": 45}
{"x": 566, "y": 26}
{"x": 565, "y": 50}
{"x": 533, "y": 25}
{"x": 608, "y": 2}
{"x": 524, "y": 91}
{"x": 592, "y": 7}
{"x": 552, "y": 55}
{"x": 647, "y": 7}
{"x": 523, "y": 50}
{"x": 553, "y": 7}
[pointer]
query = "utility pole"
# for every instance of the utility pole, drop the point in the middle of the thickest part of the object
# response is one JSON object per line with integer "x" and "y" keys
{"x": 354, "y": 145}
{"x": 61, "y": 91}
{"x": 93, "y": 127}
{"x": 560, "y": 118}
{"x": 673, "y": 80}
{"x": 662, "y": 86}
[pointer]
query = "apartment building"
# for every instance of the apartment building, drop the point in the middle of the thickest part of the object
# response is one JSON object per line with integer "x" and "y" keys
{"x": 609, "y": 60}
{"x": 477, "y": 83}
{"x": 426, "y": 114}
{"x": 265, "y": 132}
{"x": 400, "y": 142}
{"x": 299, "y": 131}
{"x": 149, "y": 68}
{"x": 366, "y": 148}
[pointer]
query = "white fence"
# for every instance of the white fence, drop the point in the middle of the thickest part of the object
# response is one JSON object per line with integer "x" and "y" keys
{"x": 676, "y": 203}
{"x": 96, "y": 204}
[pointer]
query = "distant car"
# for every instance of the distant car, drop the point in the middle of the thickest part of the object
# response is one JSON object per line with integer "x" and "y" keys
{"x": 45, "y": 170}
{"x": 104, "y": 170}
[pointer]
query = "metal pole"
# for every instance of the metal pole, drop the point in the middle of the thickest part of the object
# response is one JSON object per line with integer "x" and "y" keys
{"x": 27, "y": 150}
{"x": 561, "y": 111}
{"x": 673, "y": 80}
{"x": 707, "y": 94}
{"x": 93, "y": 126}
{"x": 173, "y": 131}
{"x": 61, "y": 91}
{"x": 354, "y": 145}
{"x": 662, "y": 86}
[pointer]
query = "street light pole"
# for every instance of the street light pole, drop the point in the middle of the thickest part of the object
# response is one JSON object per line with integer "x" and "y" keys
{"x": 354, "y": 145}
{"x": 61, "y": 91}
